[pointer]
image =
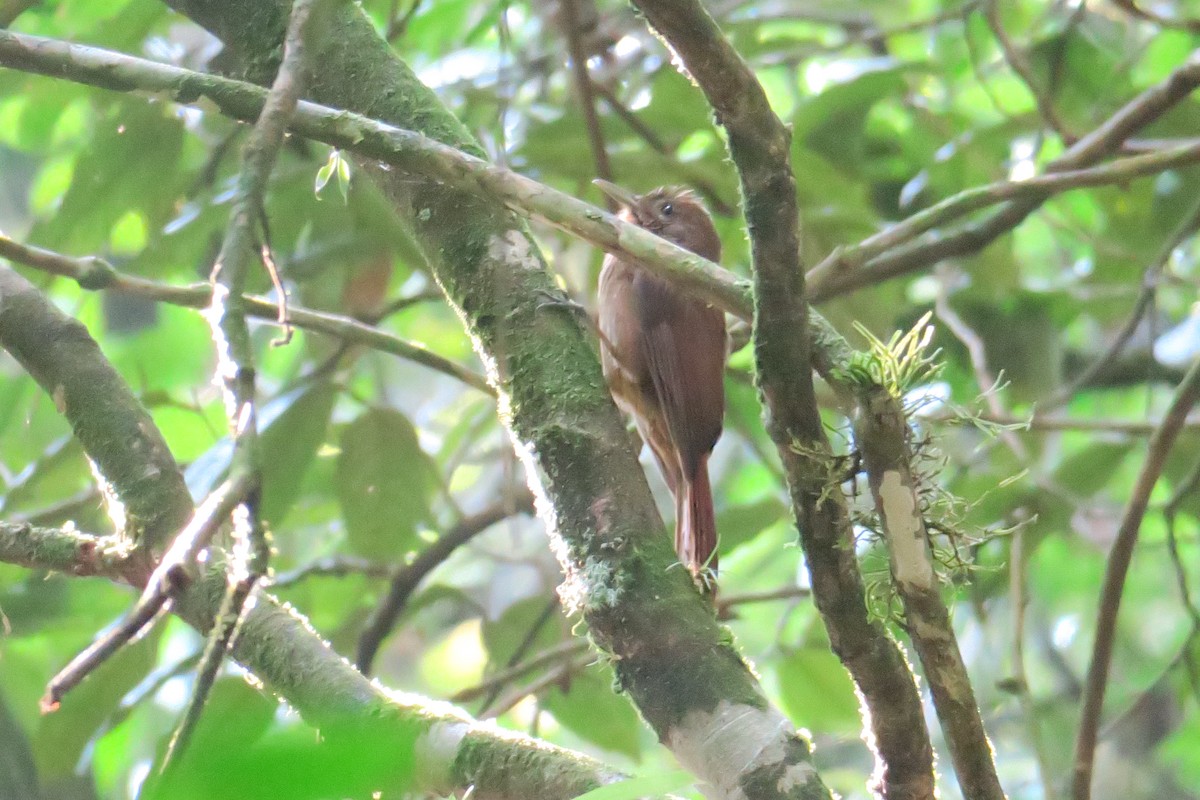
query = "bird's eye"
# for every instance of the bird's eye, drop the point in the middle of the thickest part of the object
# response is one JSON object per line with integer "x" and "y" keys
{"x": 668, "y": 209}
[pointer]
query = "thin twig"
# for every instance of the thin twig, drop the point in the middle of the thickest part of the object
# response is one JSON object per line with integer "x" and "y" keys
{"x": 1057, "y": 59}
{"x": 406, "y": 579}
{"x": 1020, "y": 65}
{"x": 11, "y": 9}
{"x": 18, "y": 486}
{"x": 584, "y": 92}
{"x": 245, "y": 572}
{"x": 523, "y": 647}
{"x": 1019, "y": 599}
{"x": 1102, "y": 141}
{"x": 1054, "y": 424}
{"x": 1187, "y": 654}
{"x": 405, "y": 303}
{"x": 1150, "y": 281}
{"x": 727, "y": 602}
{"x": 1184, "y": 656}
{"x": 759, "y": 145}
{"x": 858, "y": 32}
{"x": 647, "y": 135}
{"x": 398, "y": 23}
{"x": 95, "y": 273}
{"x": 85, "y": 502}
{"x": 149, "y": 687}
{"x": 207, "y": 175}
{"x": 1134, "y": 10}
{"x": 235, "y": 364}
{"x": 1119, "y": 558}
{"x": 535, "y": 687}
{"x": 565, "y": 649}
{"x": 336, "y": 567}
{"x": 578, "y": 646}
{"x": 169, "y": 577}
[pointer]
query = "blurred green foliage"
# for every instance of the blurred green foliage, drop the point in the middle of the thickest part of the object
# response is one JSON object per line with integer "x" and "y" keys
{"x": 893, "y": 106}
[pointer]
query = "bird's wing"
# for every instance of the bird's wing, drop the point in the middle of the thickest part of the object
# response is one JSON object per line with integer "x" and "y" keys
{"x": 684, "y": 348}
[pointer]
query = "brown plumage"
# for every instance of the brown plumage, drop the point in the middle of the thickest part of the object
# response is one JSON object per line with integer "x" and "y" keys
{"x": 663, "y": 353}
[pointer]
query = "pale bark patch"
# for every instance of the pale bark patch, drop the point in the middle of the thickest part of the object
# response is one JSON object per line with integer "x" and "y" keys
{"x": 722, "y": 745}
{"x": 435, "y": 752}
{"x": 906, "y": 532}
{"x": 514, "y": 250}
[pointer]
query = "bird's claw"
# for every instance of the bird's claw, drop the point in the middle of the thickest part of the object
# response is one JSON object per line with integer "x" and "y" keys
{"x": 549, "y": 299}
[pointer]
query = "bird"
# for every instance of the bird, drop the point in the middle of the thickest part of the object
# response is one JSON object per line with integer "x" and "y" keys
{"x": 663, "y": 353}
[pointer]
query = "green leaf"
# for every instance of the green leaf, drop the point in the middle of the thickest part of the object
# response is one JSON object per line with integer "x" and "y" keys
{"x": 335, "y": 164}
{"x": 832, "y": 123}
{"x": 650, "y": 785}
{"x": 131, "y": 164}
{"x": 343, "y": 173}
{"x": 588, "y": 706}
{"x": 236, "y": 715}
{"x": 740, "y": 524}
{"x": 816, "y": 691}
{"x": 291, "y": 428}
{"x": 288, "y": 444}
{"x": 502, "y": 636}
{"x": 443, "y": 27}
{"x": 62, "y": 736}
{"x": 299, "y": 763}
{"x": 1090, "y": 469}
{"x": 384, "y": 482}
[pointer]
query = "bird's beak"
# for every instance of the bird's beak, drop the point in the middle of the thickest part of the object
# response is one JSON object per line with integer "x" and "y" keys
{"x": 622, "y": 196}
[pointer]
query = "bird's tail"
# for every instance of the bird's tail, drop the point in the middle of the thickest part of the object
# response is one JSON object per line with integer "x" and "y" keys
{"x": 696, "y": 524}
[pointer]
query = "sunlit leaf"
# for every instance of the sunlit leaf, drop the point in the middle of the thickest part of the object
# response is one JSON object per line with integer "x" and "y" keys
{"x": 383, "y": 482}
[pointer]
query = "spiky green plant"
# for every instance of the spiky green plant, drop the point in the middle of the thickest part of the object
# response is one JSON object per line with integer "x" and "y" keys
{"x": 899, "y": 364}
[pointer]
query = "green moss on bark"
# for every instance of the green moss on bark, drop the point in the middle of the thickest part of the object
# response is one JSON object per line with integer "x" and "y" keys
{"x": 668, "y": 651}
{"x": 117, "y": 433}
{"x": 530, "y": 772}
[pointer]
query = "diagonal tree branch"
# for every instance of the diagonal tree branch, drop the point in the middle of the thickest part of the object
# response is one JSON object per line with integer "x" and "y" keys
{"x": 418, "y": 154}
{"x": 406, "y": 579}
{"x": 882, "y": 433}
{"x": 602, "y": 520}
{"x": 144, "y": 488}
{"x": 759, "y": 145}
{"x": 1037, "y": 188}
{"x": 1107, "y": 138}
{"x": 95, "y": 274}
{"x": 235, "y": 366}
{"x": 64, "y": 550}
{"x": 1119, "y": 558}
{"x": 585, "y": 89}
{"x": 1145, "y": 299}
{"x": 276, "y": 643}
{"x": 405, "y": 150}
{"x": 168, "y": 580}
{"x": 1020, "y": 65}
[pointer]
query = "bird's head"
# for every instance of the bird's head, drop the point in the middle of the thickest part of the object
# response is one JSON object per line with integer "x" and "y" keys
{"x": 674, "y": 213}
